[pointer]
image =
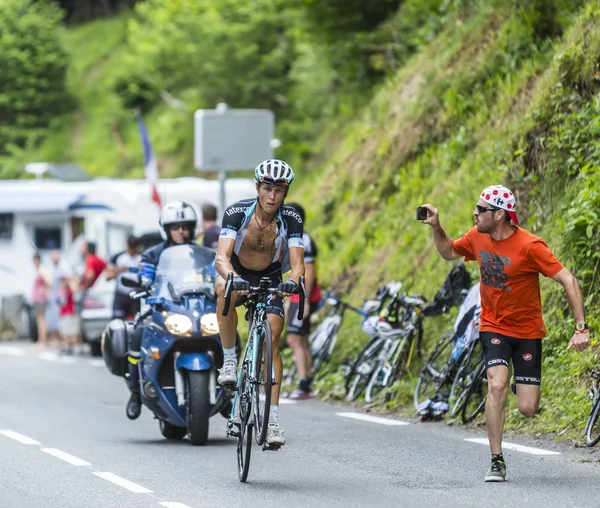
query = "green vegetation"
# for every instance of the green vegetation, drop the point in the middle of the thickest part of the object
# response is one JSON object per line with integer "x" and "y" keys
{"x": 33, "y": 86}
{"x": 411, "y": 101}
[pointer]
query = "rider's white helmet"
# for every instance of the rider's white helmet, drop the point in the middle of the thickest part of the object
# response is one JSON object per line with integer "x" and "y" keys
{"x": 274, "y": 172}
{"x": 175, "y": 213}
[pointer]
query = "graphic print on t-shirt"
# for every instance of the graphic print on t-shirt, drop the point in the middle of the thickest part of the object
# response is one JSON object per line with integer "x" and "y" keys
{"x": 493, "y": 271}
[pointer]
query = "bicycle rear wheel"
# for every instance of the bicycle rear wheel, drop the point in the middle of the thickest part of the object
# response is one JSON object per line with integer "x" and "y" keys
{"x": 592, "y": 434}
{"x": 244, "y": 444}
{"x": 476, "y": 396}
{"x": 263, "y": 381}
{"x": 435, "y": 372}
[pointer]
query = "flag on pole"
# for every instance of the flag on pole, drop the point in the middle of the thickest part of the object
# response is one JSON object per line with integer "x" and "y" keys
{"x": 150, "y": 165}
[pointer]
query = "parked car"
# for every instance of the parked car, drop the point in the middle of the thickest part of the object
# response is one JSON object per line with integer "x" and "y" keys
{"x": 97, "y": 312}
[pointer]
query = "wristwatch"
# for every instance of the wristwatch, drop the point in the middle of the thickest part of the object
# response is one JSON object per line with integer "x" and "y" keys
{"x": 581, "y": 326}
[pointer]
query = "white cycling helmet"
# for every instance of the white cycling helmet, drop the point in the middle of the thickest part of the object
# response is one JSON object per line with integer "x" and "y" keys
{"x": 177, "y": 212}
{"x": 274, "y": 172}
{"x": 369, "y": 325}
{"x": 386, "y": 331}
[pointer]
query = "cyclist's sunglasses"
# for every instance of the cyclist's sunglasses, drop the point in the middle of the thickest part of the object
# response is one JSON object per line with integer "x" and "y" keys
{"x": 483, "y": 209}
{"x": 183, "y": 225}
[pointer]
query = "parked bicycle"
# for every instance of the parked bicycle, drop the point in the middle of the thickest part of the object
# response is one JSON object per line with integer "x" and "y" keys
{"x": 445, "y": 375}
{"x": 251, "y": 402}
{"x": 592, "y": 429}
{"x": 324, "y": 337}
{"x": 384, "y": 360}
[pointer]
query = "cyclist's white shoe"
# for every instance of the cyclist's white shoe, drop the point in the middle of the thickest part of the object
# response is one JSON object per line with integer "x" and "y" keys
{"x": 275, "y": 435}
{"x": 228, "y": 375}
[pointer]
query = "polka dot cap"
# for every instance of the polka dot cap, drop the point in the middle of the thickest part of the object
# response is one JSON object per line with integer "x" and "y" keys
{"x": 501, "y": 197}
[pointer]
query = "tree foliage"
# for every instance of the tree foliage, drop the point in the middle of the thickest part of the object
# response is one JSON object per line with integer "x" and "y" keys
{"x": 235, "y": 51}
{"x": 77, "y": 11}
{"x": 33, "y": 82}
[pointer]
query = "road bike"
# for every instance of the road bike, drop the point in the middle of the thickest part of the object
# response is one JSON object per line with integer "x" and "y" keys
{"x": 324, "y": 337}
{"x": 252, "y": 399}
{"x": 395, "y": 336}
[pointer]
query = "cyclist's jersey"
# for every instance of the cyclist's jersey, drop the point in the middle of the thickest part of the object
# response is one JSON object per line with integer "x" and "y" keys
{"x": 289, "y": 231}
{"x": 310, "y": 256}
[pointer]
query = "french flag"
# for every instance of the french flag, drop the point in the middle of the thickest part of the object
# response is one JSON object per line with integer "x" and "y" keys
{"x": 150, "y": 165}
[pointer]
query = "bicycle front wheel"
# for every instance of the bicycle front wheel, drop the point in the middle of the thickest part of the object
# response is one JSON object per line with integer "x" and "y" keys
{"x": 244, "y": 444}
{"x": 467, "y": 369}
{"x": 592, "y": 435}
{"x": 263, "y": 381}
{"x": 435, "y": 372}
{"x": 362, "y": 369}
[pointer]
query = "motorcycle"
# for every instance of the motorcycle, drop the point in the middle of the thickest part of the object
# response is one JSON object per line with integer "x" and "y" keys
{"x": 181, "y": 348}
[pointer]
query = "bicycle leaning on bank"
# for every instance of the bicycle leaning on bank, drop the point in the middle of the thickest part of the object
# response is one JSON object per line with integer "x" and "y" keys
{"x": 395, "y": 336}
{"x": 323, "y": 338}
{"x": 592, "y": 429}
{"x": 252, "y": 399}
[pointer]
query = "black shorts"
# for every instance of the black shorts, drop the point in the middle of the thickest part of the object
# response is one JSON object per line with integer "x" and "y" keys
{"x": 124, "y": 306}
{"x": 526, "y": 355}
{"x": 300, "y": 326}
{"x": 274, "y": 302}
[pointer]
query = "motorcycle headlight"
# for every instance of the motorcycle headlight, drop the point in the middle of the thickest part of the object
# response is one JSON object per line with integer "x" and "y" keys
{"x": 209, "y": 324}
{"x": 178, "y": 324}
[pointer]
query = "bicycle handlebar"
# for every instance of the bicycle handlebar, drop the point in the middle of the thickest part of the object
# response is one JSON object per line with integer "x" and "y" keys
{"x": 261, "y": 290}
{"x": 338, "y": 301}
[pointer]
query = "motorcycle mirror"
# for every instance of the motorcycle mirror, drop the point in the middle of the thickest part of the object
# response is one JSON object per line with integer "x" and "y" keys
{"x": 130, "y": 280}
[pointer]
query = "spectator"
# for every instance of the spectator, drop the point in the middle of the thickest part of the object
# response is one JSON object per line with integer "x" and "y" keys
{"x": 123, "y": 306}
{"x": 39, "y": 298}
{"x": 94, "y": 265}
{"x": 210, "y": 230}
{"x": 68, "y": 321}
{"x": 53, "y": 310}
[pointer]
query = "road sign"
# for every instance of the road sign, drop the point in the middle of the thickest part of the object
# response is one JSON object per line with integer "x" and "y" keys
{"x": 231, "y": 139}
{"x": 228, "y": 139}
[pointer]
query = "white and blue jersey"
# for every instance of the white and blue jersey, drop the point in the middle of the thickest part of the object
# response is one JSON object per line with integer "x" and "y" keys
{"x": 289, "y": 231}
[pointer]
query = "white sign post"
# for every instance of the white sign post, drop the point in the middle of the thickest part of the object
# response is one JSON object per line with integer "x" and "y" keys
{"x": 227, "y": 139}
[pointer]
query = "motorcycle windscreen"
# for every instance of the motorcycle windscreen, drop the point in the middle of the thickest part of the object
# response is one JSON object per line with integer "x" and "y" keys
{"x": 185, "y": 270}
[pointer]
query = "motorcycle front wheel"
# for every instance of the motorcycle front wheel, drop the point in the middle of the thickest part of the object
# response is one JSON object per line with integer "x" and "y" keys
{"x": 197, "y": 406}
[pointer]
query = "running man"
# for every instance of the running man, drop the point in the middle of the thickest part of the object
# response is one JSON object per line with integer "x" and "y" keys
{"x": 510, "y": 259}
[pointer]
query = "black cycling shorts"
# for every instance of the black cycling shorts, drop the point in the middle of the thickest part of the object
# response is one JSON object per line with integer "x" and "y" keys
{"x": 300, "y": 326}
{"x": 273, "y": 272}
{"x": 526, "y": 355}
{"x": 123, "y": 306}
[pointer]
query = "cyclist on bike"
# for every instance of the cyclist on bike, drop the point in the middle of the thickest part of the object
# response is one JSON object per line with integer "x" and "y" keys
{"x": 178, "y": 223}
{"x": 260, "y": 237}
{"x": 511, "y": 325}
{"x": 297, "y": 331}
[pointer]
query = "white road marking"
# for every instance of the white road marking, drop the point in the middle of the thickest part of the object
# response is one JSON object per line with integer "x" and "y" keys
{"x": 513, "y": 446}
{"x": 372, "y": 419}
{"x": 173, "y": 504}
{"x": 19, "y": 437}
{"x": 71, "y": 459}
{"x": 122, "y": 482}
{"x": 53, "y": 357}
{"x": 96, "y": 363}
{"x": 12, "y": 351}
{"x": 283, "y": 401}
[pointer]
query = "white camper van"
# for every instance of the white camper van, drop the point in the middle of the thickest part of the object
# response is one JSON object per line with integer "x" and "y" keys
{"x": 41, "y": 215}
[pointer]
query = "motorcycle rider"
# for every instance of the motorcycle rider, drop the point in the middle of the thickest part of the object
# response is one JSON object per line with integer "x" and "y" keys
{"x": 177, "y": 221}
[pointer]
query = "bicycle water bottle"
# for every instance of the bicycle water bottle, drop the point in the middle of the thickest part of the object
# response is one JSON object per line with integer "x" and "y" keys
{"x": 459, "y": 346}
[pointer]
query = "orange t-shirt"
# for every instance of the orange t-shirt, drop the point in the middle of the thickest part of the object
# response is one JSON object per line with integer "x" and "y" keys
{"x": 510, "y": 285}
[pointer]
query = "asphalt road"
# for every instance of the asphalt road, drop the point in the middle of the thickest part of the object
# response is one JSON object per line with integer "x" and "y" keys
{"x": 65, "y": 442}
